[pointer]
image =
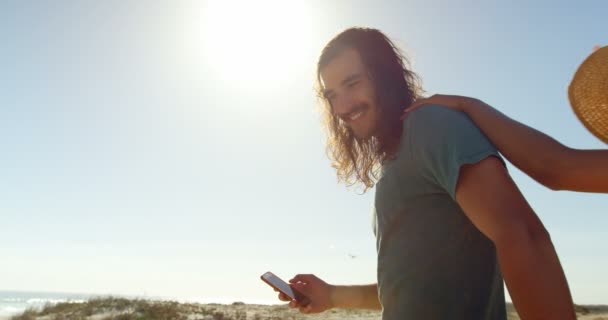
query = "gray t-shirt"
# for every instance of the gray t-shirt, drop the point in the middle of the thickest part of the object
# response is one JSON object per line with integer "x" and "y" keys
{"x": 433, "y": 263}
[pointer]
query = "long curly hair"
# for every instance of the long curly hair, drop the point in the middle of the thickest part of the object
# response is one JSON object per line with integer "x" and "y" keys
{"x": 396, "y": 86}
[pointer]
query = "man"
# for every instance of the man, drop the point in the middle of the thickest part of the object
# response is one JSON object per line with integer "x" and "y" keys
{"x": 449, "y": 221}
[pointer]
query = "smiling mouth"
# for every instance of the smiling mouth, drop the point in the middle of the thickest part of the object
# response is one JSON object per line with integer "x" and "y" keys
{"x": 356, "y": 114}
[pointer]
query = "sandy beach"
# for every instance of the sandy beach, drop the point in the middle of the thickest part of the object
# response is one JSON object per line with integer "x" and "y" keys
{"x": 111, "y": 308}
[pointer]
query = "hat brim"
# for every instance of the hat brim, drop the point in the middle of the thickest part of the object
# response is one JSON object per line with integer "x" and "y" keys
{"x": 588, "y": 93}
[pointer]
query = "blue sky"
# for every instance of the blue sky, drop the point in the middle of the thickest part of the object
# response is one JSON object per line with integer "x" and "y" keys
{"x": 174, "y": 149}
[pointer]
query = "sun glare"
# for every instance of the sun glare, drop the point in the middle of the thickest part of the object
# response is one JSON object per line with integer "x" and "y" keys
{"x": 257, "y": 43}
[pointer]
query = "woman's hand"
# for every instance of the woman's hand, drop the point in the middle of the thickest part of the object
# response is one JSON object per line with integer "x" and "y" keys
{"x": 451, "y": 101}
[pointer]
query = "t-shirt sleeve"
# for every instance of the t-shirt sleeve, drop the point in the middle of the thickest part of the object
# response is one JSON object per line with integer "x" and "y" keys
{"x": 442, "y": 141}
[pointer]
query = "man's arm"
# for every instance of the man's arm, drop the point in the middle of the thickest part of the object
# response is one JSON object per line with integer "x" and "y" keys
{"x": 527, "y": 258}
{"x": 324, "y": 296}
{"x": 356, "y": 297}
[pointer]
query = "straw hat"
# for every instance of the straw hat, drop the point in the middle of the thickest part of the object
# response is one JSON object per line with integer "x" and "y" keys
{"x": 588, "y": 93}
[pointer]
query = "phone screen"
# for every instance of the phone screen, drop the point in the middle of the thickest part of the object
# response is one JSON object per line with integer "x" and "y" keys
{"x": 280, "y": 284}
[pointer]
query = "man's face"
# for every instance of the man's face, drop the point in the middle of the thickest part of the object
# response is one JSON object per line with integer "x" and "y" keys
{"x": 351, "y": 94}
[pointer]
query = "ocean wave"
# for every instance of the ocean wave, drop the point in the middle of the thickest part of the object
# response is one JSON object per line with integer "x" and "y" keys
{"x": 10, "y": 309}
{"x": 7, "y": 312}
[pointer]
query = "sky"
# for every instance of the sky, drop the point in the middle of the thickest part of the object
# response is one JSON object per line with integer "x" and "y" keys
{"x": 174, "y": 148}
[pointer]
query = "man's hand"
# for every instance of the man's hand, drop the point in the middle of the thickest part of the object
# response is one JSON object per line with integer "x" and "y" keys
{"x": 317, "y": 290}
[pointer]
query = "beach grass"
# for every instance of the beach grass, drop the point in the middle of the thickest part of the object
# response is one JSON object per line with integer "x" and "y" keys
{"x": 117, "y": 308}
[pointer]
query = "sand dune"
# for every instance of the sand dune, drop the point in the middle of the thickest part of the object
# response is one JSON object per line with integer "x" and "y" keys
{"x": 111, "y": 308}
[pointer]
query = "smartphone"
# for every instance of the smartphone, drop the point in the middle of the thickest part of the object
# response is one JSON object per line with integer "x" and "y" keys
{"x": 272, "y": 280}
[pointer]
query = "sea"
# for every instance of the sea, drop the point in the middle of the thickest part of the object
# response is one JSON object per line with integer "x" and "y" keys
{"x": 15, "y": 302}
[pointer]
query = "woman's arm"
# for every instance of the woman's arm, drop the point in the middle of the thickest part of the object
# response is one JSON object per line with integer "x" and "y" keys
{"x": 541, "y": 157}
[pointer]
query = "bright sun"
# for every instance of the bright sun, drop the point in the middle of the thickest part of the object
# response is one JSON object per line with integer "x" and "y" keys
{"x": 257, "y": 43}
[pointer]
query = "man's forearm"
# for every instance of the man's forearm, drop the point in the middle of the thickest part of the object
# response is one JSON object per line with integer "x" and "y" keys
{"x": 356, "y": 297}
{"x": 535, "y": 278}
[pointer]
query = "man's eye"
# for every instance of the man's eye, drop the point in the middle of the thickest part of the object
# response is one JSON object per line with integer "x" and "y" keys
{"x": 352, "y": 84}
